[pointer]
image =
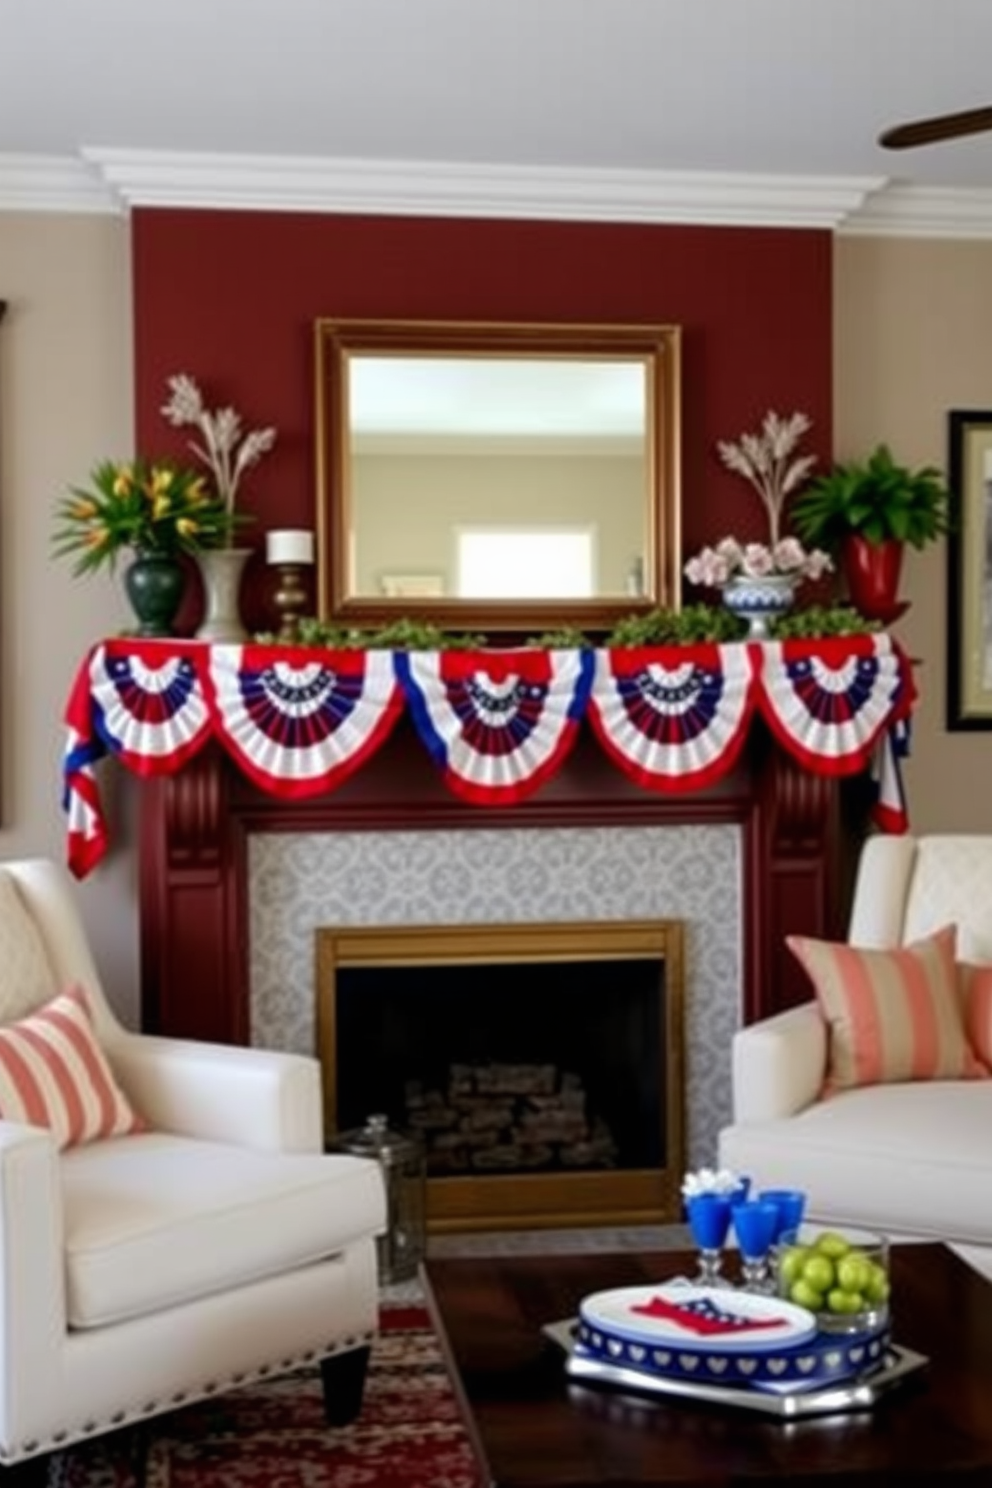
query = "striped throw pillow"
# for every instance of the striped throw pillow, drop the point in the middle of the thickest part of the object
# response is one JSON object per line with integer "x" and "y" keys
{"x": 892, "y": 1015}
{"x": 976, "y": 1003}
{"x": 53, "y": 1073}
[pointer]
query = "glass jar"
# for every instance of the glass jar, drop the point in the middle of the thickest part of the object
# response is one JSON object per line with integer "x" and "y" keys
{"x": 401, "y": 1157}
{"x": 842, "y": 1276}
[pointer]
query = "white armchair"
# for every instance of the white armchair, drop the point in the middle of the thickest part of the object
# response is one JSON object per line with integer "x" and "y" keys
{"x": 221, "y": 1245}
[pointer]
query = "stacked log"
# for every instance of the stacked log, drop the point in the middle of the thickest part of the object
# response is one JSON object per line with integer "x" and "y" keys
{"x": 500, "y": 1117}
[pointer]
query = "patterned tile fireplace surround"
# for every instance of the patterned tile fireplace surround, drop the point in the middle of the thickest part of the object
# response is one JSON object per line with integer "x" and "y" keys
{"x": 300, "y": 881}
{"x": 236, "y": 881}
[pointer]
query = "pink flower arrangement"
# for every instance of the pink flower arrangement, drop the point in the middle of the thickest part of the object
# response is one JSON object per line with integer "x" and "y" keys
{"x": 713, "y": 567}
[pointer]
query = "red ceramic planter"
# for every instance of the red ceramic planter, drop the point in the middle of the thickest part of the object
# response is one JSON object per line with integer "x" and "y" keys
{"x": 872, "y": 571}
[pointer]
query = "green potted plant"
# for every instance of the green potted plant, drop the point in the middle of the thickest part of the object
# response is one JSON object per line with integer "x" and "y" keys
{"x": 865, "y": 512}
{"x": 154, "y": 510}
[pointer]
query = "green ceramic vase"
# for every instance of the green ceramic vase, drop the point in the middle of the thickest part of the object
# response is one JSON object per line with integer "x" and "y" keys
{"x": 155, "y": 584}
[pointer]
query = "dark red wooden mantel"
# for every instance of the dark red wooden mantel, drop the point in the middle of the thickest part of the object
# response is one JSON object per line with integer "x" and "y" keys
{"x": 798, "y": 833}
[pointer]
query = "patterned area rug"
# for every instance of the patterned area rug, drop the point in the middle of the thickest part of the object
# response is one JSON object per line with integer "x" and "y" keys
{"x": 274, "y": 1435}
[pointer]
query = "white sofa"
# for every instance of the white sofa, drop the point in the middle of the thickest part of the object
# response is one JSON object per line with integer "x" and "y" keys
{"x": 913, "y": 1160}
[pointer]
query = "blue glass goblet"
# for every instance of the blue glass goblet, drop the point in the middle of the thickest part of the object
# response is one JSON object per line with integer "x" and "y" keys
{"x": 755, "y": 1224}
{"x": 741, "y": 1192}
{"x": 791, "y": 1206}
{"x": 709, "y": 1221}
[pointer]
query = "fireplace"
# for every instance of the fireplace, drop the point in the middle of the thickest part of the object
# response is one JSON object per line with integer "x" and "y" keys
{"x": 235, "y": 884}
{"x": 540, "y": 1064}
{"x": 583, "y": 878}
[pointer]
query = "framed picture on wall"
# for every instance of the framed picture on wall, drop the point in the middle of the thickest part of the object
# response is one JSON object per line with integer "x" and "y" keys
{"x": 3, "y": 307}
{"x": 969, "y": 571}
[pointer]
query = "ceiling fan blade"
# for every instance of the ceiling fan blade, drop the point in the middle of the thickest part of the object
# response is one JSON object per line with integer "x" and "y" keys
{"x": 943, "y": 127}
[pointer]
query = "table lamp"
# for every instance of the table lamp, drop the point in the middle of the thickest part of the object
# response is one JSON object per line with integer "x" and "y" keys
{"x": 289, "y": 550}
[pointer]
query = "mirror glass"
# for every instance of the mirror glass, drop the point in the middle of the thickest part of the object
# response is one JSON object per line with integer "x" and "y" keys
{"x": 496, "y": 476}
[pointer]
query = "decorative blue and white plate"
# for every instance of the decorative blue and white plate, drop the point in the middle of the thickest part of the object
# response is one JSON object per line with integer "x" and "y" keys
{"x": 715, "y": 1335}
{"x": 678, "y": 1314}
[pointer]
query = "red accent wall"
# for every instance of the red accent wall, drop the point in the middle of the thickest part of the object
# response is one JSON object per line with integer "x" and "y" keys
{"x": 231, "y": 297}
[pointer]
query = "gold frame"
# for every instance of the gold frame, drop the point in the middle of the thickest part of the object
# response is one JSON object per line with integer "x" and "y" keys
{"x": 658, "y": 345}
{"x": 629, "y": 1196}
{"x": 969, "y": 572}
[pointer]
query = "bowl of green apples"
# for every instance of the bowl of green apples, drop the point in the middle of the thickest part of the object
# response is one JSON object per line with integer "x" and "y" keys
{"x": 840, "y": 1275}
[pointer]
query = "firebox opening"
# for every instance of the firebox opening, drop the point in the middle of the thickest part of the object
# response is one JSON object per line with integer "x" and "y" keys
{"x": 517, "y": 1066}
{"x": 540, "y": 1064}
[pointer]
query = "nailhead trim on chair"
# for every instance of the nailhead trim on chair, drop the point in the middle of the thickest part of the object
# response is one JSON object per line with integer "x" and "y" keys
{"x": 65, "y": 1437}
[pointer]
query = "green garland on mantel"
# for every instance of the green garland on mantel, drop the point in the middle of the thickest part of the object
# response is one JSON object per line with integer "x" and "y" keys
{"x": 662, "y": 627}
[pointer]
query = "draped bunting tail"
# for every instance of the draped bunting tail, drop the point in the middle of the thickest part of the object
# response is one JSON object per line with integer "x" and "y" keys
{"x": 828, "y": 701}
{"x": 86, "y": 826}
{"x": 297, "y": 723}
{"x": 87, "y": 837}
{"x": 673, "y": 721}
{"x": 497, "y": 724}
{"x": 889, "y": 812}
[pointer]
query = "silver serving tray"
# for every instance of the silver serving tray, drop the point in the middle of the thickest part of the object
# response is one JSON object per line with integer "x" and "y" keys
{"x": 857, "y": 1394}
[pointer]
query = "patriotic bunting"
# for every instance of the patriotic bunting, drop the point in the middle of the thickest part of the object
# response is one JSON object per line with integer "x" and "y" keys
{"x": 496, "y": 723}
{"x": 298, "y": 724}
{"x": 673, "y": 718}
{"x": 828, "y": 701}
{"x": 148, "y": 704}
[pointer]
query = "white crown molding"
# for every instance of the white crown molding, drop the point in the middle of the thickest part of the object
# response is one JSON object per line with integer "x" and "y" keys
{"x": 116, "y": 180}
{"x": 923, "y": 212}
{"x": 442, "y": 189}
{"x": 110, "y": 180}
{"x": 53, "y": 183}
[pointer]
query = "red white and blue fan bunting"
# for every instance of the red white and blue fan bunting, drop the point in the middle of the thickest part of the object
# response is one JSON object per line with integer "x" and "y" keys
{"x": 496, "y": 723}
{"x": 829, "y": 700}
{"x": 672, "y": 720}
{"x": 147, "y": 704}
{"x": 299, "y": 724}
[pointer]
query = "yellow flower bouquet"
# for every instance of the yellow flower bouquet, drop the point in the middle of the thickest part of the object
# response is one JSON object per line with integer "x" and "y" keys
{"x": 148, "y": 507}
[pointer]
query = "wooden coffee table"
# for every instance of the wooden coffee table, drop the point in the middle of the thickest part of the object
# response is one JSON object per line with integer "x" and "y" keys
{"x": 532, "y": 1427}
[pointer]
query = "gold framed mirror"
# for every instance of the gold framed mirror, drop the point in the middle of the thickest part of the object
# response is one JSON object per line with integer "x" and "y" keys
{"x": 496, "y": 477}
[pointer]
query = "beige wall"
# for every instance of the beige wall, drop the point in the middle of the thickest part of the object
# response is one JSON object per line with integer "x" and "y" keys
{"x": 65, "y": 401}
{"x": 913, "y": 339}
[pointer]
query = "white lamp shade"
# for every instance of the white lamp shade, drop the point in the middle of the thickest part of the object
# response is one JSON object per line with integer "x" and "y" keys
{"x": 289, "y": 545}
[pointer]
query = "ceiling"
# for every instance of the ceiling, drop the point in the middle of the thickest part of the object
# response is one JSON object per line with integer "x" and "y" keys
{"x": 623, "y": 100}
